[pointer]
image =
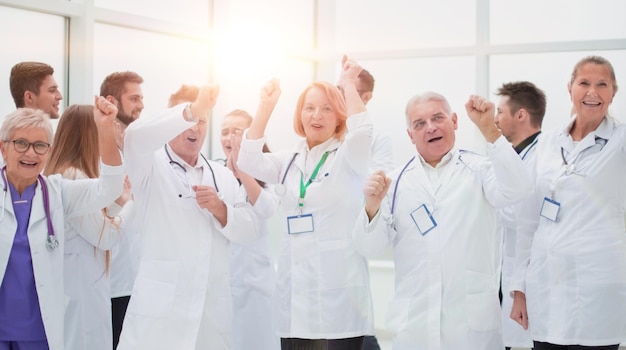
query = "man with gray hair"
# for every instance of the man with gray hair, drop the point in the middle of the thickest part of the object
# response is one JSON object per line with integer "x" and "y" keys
{"x": 439, "y": 218}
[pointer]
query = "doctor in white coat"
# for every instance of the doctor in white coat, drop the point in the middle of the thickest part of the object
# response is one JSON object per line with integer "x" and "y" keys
{"x": 190, "y": 209}
{"x": 32, "y": 233}
{"x": 253, "y": 275}
{"x": 519, "y": 117}
{"x": 322, "y": 293}
{"x": 438, "y": 214}
{"x": 570, "y": 278}
{"x": 88, "y": 238}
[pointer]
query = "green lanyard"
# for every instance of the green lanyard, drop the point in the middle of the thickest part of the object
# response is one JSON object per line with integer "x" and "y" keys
{"x": 303, "y": 186}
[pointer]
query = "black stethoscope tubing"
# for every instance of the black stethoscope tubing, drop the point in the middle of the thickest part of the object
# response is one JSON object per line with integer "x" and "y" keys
{"x": 172, "y": 161}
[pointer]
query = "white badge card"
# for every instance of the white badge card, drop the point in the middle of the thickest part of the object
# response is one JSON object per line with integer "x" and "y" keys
{"x": 550, "y": 209}
{"x": 300, "y": 223}
{"x": 423, "y": 219}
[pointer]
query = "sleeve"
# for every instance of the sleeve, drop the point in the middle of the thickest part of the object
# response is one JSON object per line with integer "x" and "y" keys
{"x": 241, "y": 221}
{"x": 382, "y": 153}
{"x": 267, "y": 203}
{"x": 371, "y": 238}
{"x": 506, "y": 180}
{"x": 145, "y": 135}
{"x": 263, "y": 166}
{"x": 359, "y": 138}
{"x": 97, "y": 229}
{"x": 85, "y": 196}
{"x": 527, "y": 223}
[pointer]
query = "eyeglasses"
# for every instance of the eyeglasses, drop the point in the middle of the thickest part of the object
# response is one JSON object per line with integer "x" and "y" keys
{"x": 22, "y": 146}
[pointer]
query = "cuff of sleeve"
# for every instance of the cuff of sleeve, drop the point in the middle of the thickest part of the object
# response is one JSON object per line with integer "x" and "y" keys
{"x": 501, "y": 142}
{"x": 358, "y": 120}
{"x": 369, "y": 226}
{"x": 248, "y": 145}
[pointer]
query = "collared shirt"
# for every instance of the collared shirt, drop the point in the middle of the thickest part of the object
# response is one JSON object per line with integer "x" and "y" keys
{"x": 527, "y": 141}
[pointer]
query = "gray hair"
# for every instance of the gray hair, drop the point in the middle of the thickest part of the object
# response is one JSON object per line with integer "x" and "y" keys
{"x": 26, "y": 118}
{"x": 423, "y": 98}
{"x": 599, "y": 60}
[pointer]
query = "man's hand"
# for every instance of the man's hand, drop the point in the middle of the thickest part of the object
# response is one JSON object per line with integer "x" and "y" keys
{"x": 482, "y": 113}
{"x": 518, "y": 311}
{"x": 375, "y": 189}
{"x": 270, "y": 92}
{"x": 104, "y": 112}
{"x": 205, "y": 101}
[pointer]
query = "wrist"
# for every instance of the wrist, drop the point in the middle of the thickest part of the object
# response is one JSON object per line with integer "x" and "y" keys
{"x": 188, "y": 115}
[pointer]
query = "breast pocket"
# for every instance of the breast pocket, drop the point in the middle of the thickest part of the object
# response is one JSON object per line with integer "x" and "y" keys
{"x": 155, "y": 288}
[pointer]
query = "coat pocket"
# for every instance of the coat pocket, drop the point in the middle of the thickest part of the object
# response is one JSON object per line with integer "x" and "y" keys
{"x": 155, "y": 288}
{"x": 481, "y": 299}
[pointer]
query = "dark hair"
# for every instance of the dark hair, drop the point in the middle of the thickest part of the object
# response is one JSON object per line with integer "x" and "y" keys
{"x": 524, "y": 94}
{"x": 27, "y": 76}
{"x": 367, "y": 81}
{"x": 595, "y": 60}
{"x": 113, "y": 84}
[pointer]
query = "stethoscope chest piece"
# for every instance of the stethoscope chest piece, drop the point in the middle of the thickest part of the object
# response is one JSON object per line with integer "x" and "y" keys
{"x": 52, "y": 243}
{"x": 280, "y": 189}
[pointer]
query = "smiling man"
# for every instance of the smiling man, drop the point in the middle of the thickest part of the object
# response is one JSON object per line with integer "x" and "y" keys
{"x": 33, "y": 86}
{"x": 439, "y": 218}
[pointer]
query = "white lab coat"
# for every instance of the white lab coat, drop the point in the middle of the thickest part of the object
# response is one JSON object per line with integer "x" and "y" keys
{"x": 125, "y": 257}
{"x": 87, "y": 286}
{"x": 322, "y": 290}
{"x": 573, "y": 271}
{"x": 181, "y": 298}
{"x": 512, "y": 333}
{"x": 382, "y": 153}
{"x": 446, "y": 290}
{"x": 68, "y": 199}
{"x": 252, "y": 281}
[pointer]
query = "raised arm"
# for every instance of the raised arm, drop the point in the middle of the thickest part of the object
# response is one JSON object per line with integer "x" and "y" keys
{"x": 269, "y": 97}
{"x": 350, "y": 70}
{"x": 482, "y": 113}
{"x": 375, "y": 189}
{"x": 104, "y": 116}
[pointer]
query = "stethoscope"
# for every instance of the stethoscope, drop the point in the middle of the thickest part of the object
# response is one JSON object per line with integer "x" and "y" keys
{"x": 280, "y": 188}
{"x": 173, "y": 162}
{"x": 51, "y": 241}
{"x": 395, "y": 188}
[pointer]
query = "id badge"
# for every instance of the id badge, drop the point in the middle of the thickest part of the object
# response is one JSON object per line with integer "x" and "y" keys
{"x": 550, "y": 209}
{"x": 423, "y": 219}
{"x": 300, "y": 223}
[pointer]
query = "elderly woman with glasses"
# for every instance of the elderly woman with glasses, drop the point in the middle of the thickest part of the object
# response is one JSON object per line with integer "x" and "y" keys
{"x": 32, "y": 216}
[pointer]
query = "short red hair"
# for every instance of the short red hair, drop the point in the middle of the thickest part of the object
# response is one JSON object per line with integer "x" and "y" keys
{"x": 337, "y": 103}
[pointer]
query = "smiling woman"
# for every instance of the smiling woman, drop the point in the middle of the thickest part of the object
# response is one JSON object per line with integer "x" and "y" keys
{"x": 320, "y": 306}
{"x": 31, "y": 255}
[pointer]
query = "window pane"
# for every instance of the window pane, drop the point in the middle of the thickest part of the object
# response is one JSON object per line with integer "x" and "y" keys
{"x": 165, "y": 62}
{"x": 556, "y": 20}
{"x": 551, "y": 72}
{"x": 239, "y": 93}
{"x": 396, "y": 81}
{"x": 42, "y": 40}
{"x": 243, "y": 22}
{"x": 365, "y": 25}
{"x": 190, "y": 12}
